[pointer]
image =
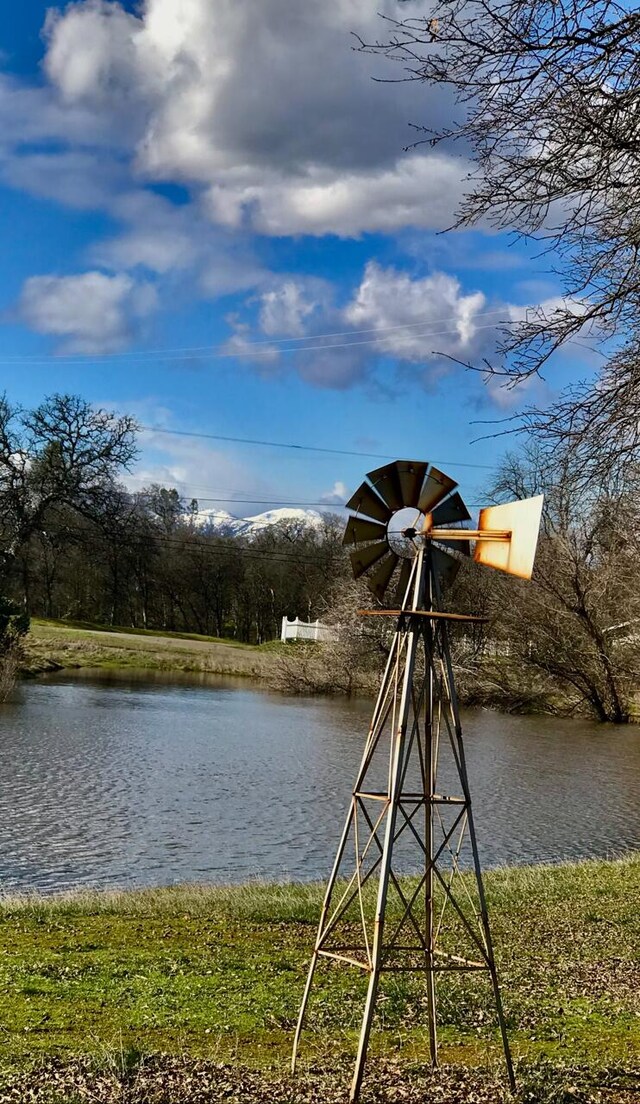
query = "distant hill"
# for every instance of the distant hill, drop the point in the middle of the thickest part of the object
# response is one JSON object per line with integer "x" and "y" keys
{"x": 226, "y": 523}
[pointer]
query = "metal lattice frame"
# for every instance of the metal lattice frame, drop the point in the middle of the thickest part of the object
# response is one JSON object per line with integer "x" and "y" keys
{"x": 417, "y": 713}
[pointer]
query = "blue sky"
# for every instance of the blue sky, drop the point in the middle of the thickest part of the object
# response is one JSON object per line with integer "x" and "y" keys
{"x": 228, "y": 178}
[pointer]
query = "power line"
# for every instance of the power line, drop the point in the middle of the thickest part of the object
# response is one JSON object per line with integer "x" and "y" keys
{"x": 300, "y": 448}
{"x": 202, "y": 351}
{"x": 186, "y": 544}
{"x": 237, "y": 354}
{"x": 278, "y": 502}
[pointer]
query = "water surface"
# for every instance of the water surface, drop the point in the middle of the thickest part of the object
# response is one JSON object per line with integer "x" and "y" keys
{"x": 128, "y": 782}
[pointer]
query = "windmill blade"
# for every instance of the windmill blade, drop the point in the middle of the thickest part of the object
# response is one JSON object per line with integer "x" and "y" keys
{"x": 453, "y": 509}
{"x": 437, "y": 487}
{"x": 359, "y": 530}
{"x": 378, "y": 581}
{"x": 446, "y": 567}
{"x": 364, "y": 558}
{"x": 387, "y": 484}
{"x": 403, "y": 582}
{"x": 411, "y": 475}
{"x": 366, "y": 501}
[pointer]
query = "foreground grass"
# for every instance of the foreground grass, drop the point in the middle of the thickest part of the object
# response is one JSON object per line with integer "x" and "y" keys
{"x": 214, "y": 975}
{"x": 54, "y": 646}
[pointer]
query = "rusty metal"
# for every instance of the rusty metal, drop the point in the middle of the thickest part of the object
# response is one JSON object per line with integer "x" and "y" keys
{"x": 503, "y": 536}
{"x": 401, "y": 485}
{"x": 386, "y": 482}
{"x": 445, "y": 566}
{"x": 415, "y": 722}
{"x": 411, "y": 475}
{"x": 410, "y": 719}
{"x": 522, "y": 519}
{"x": 452, "y": 509}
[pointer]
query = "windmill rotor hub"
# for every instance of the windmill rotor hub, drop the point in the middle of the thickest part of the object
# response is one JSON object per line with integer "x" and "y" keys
{"x": 403, "y": 505}
{"x": 403, "y": 528}
{"x": 395, "y": 509}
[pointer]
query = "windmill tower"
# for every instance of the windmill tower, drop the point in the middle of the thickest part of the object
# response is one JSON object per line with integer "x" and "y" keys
{"x": 406, "y": 813}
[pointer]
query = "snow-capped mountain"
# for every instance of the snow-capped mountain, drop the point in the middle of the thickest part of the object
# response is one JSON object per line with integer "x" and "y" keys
{"x": 226, "y": 523}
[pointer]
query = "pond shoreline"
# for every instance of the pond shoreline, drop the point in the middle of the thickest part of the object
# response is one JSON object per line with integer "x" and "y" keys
{"x": 55, "y": 647}
{"x": 51, "y": 647}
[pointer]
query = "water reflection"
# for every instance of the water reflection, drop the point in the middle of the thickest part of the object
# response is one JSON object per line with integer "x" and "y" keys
{"x": 130, "y": 782}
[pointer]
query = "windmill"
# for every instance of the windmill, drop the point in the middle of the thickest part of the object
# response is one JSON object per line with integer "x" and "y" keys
{"x": 408, "y": 538}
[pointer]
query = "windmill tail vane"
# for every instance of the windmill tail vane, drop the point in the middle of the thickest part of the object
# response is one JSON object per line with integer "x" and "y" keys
{"x": 410, "y": 807}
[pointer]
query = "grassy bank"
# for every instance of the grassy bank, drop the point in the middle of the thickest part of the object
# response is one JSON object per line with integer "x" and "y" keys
{"x": 52, "y": 646}
{"x": 96, "y": 985}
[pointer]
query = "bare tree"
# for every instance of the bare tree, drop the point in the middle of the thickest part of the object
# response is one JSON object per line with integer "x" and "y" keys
{"x": 578, "y": 622}
{"x": 64, "y": 455}
{"x": 14, "y": 625}
{"x": 548, "y": 93}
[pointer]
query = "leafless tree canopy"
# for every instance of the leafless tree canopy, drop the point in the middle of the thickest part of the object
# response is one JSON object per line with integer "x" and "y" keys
{"x": 549, "y": 99}
{"x": 578, "y": 622}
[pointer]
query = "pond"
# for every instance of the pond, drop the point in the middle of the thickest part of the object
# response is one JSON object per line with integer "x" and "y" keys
{"x": 127, "y": 782}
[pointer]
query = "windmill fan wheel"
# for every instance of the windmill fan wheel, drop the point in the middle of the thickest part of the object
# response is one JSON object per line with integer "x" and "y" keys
{"x": 403, "y": 485}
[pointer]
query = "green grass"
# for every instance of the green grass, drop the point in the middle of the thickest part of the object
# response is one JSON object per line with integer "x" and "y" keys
{"x": 52, "y": 646}
{"x": 217, "y": 973}
{"x": 165, "y": 634}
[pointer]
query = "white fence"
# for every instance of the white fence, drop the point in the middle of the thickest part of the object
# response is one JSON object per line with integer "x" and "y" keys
{"x": 306, "y": 630}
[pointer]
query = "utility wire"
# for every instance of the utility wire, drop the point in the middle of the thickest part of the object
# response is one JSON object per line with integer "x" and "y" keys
{"x": 222, "y": 351}
{"x": 300, "y": 448}
{"x": 238, "y": 354}
{"x": 278, "y": 502}
{"x": 186, "y": 544}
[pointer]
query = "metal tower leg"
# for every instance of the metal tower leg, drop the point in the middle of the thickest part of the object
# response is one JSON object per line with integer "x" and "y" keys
{"x": 484, "y": 914}
{"x": 396, "y": 776}
{"x": 430, "y": 767}
{"x": 374, "y": 733}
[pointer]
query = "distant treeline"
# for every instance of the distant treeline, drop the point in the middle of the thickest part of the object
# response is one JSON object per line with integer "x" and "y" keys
{"x": 76, "y": 544}
{"x": 148, "y": 565}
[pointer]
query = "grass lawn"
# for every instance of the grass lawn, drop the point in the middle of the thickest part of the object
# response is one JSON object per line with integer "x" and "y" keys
{"x": 128, "y": 994}
{"x": 55, "y": 645}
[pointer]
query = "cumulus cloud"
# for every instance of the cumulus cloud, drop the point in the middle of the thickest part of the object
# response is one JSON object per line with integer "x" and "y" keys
{"x": 422, "y": 317}
{"x": 91, "y": 312}
{"x": 392, "y": 321}
{"x": 414, "y": 190}
{"x": 287, "y": 308}
{"x": 265, "y": 107}
{"x": 337, "y": 495}
{"x": 272, "y": 125}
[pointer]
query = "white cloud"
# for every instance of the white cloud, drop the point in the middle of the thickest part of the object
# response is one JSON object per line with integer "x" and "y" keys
{"x": 287, "y": 309}
{"x": 423, "y": 317}
{"x": 204, "y": 472}
{"x": 415, "y": 322}
{"x": 337, "y": 495}
{"x": 266, "y": 107}
{"x": 414, "y": 190}
{"x": 76, "y": 178}
{"x": 91, "y": 312}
